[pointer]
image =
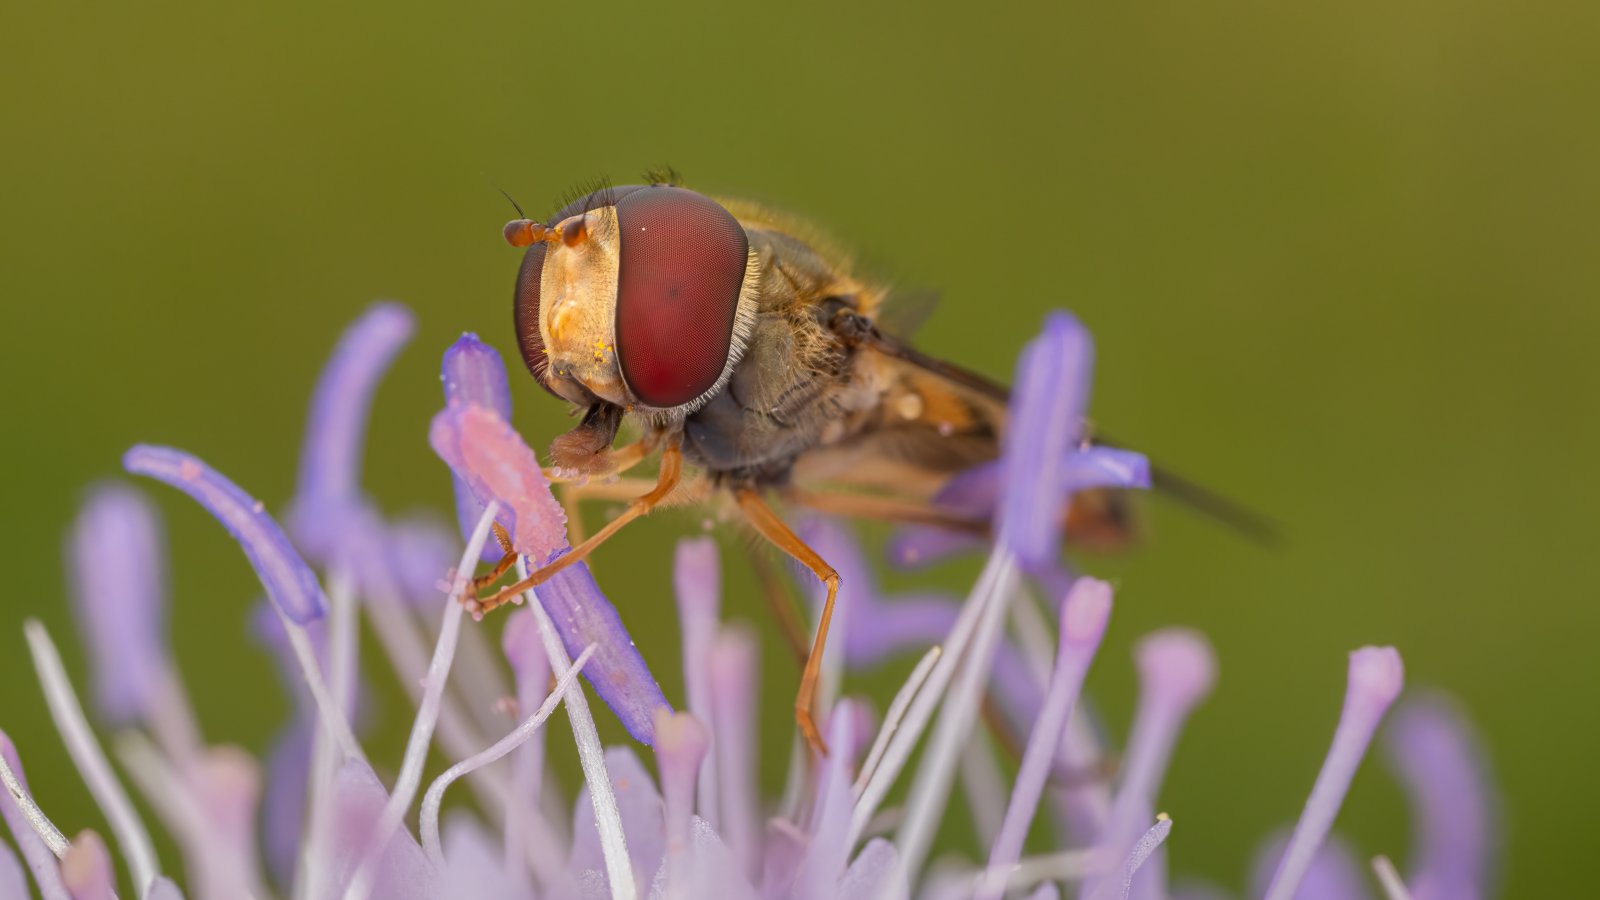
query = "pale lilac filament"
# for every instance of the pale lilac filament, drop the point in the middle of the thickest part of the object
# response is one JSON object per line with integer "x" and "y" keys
{"x": 681, "y": 747}
{"x": 1376, "y": 677}
{"x": 732, "y": 663}
{"x": 591, "y": 756}
{"x": 1084, "y": 615}
{"x": 406, "y": 783}
{"x": 697, "y": 584}
{"x": 428, "y": 824}
{"x": 1142, "y": 850}
{"x": 89, "y": 757}
{"x": 1177, "y": 670}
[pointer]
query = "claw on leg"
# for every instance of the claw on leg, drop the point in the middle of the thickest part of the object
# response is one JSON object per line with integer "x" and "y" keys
{"x": 666, "y": 482}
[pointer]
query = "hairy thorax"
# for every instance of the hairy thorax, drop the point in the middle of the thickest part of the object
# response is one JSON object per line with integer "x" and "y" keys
{"x": 798, "y": 386}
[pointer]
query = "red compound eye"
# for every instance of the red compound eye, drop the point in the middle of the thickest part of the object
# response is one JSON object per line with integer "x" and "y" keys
{"x": 682, "y": 266}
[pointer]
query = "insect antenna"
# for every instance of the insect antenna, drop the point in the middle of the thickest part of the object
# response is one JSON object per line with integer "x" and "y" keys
{"x": 514, "y": 204}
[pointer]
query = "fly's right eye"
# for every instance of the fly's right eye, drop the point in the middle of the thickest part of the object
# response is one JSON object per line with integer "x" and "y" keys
{"x": 529, "y": 339}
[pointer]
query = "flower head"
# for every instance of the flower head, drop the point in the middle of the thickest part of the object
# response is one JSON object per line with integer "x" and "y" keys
{"x": 333, "y": 825}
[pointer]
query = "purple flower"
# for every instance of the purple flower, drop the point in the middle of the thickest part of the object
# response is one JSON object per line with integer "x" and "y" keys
{"x": 701, "y": 828}
{"x": 329, "y": 489}
{"x": 1436, "y": 756}
{"x": 1047, "y": 413}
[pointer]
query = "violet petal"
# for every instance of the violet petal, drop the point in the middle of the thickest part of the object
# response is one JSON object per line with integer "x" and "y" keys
{"x": 419, "y": 551}
{"x": 475, "y": 375}
{"x": 117, "y": 553}
{"x": 473, "y": 867}
{"x": 288, "y": 580}
{"x": 283, "y": 807}
{"x": 916, "y": 546}
{"x": 712, "y": 869}
{"x": 584, "y": 616}
{"x": 1093, "y": 468}
{"x": 1047, "y": 409}
{"x": 876, "y": 627}
{"x": 330, "y": 459}
{"x": 403, "y": 872}
{"x": 976, "y": 491}
{"x": 973, "y": 491}
{"x": 1441, "y": 764}
{"x": 1084, "y": 614}
{"x": 785, "y": 853}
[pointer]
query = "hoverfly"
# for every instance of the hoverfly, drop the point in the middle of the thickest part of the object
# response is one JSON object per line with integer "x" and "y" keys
{"x": 744, "y": 347}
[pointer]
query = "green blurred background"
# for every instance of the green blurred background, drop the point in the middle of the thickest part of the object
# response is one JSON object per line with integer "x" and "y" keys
{"x": 1340, "y": 262}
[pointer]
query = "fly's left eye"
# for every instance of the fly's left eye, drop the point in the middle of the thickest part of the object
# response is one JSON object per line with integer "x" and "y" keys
{"x": 682, "y": 267}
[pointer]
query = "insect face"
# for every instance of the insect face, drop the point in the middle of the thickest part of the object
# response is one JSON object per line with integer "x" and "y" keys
{"x": 638, "y": 296}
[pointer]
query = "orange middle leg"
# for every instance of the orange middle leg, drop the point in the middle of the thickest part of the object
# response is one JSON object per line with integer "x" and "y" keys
{"x": 767, "y": 523}
{"x": 667, "y": 481}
